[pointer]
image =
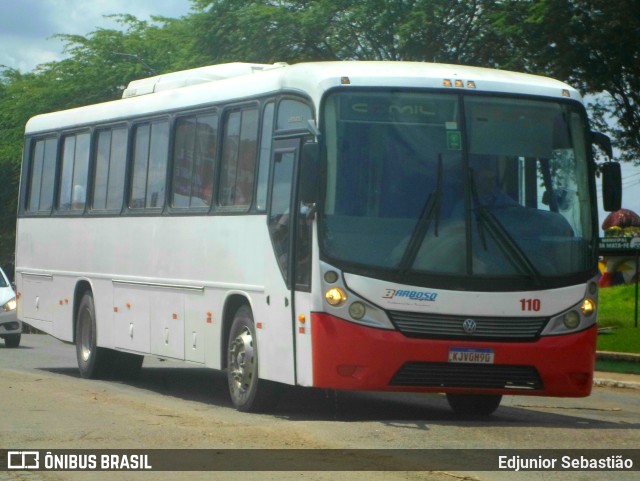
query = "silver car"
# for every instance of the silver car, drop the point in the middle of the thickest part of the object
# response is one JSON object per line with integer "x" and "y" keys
{"x": 10, "y": 326}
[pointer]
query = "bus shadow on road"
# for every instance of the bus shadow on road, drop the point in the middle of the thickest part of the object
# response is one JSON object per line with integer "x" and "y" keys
{"x": 402, "y": 410}
{"x": 417, "y": 411}
{"x": 191, "y": 384}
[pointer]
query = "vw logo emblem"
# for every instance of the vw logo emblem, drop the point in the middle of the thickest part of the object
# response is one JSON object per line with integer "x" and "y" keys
{"x": 469, "y": 326}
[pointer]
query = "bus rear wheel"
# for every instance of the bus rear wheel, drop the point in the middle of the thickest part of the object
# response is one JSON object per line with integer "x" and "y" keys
{"x": 474, "y": 405}
{"x": 12, "y": 340}
{"x": 93, "y": 361}
{"x": 248, "y": 392}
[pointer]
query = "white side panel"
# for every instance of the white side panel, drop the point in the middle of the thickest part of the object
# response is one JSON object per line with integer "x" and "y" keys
{"x": 142, "y": 271}
{"x": 199, "y": 330}
{"x": 166, "y": 314}
{"x": 273, "y": 318}
{"x": 34, "y": 304}
{"x": 131, "y": 318}
{"x": 306, "y": 303}
{"x": 34, "y": 298}
{"x": 105, "y": 315}
{"x": 62, "y": 306}
{"x": 304, "y": 365}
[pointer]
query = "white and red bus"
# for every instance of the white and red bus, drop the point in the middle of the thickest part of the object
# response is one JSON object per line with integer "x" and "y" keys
{"x": 381, "y": 226}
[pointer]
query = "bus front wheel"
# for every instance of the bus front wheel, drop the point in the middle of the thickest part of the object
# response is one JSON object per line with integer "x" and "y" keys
{"x": 474, "y": 405}
{"x": 248, "y": 392}
{"x": 92, "y": 360}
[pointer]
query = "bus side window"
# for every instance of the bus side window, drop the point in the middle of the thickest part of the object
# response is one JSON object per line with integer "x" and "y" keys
{"x": 279, "y": 212}
{"x": 239, "y": 149}
{"x": 194, "y": 156}
{"x": 110, "y": 168}
{"x": 75, "y": 167}
{"x": 265, "y": 155}
{"x": 149, "y": 165}
{"x": 42, "y": 175}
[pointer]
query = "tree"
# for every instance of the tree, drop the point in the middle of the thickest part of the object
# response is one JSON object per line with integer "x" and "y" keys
{"x": 593, "y": 45}
{"x": 299, "y": 30}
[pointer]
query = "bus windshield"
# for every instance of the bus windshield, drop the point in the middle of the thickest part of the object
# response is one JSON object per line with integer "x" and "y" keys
{"x": 450, "y": 186}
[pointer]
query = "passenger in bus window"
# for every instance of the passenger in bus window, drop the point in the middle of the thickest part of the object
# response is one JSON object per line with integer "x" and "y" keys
{"x": 484, "y": 178}
{"x": 79, "y": 197}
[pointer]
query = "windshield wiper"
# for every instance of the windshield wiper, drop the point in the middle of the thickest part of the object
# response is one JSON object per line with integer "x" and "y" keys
{"x": 430, "y": 211}
{"x": 506, "y": 243}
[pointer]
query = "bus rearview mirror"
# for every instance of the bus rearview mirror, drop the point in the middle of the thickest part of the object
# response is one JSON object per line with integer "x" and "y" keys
{"x": 309, "y": 169}
{"x": 611, "y": 186}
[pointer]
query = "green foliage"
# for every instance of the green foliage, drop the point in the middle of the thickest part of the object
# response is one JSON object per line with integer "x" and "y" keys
{"x": 617, "y": 310}
{"x": 621, "y": 339}
{"x": 594, "y": 45}
{"x": 8, "y": 201}
{"x": 628, "y": 367}
{"x": 299, "y": 30}
{"x": 616, "y": 306}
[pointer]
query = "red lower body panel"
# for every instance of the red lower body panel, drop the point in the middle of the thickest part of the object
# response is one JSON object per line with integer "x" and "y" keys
{"x": 353, "y": 357}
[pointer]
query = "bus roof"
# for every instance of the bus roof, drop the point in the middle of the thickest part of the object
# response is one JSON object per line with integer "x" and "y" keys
{"x": 237, "y": 81}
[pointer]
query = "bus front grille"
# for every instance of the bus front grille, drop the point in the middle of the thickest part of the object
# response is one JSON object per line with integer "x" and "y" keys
{"x": 480, "y": 376}
{"x": 420, "y": 325}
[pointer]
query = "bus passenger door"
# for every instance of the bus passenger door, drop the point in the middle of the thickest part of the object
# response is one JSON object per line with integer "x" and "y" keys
{"x": 276, "y": 348}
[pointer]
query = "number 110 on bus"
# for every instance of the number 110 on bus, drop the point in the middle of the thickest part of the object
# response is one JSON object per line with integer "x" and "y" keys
{"x": 530, "y": 305}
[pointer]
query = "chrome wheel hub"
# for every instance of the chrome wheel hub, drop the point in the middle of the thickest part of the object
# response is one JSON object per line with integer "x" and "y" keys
{"x": 241, "y": 361}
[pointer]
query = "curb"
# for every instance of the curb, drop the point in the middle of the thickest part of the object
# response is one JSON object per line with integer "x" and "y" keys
{"x": 603, "y": 382}
{"x": 617, "y": 356}
{"x": 610, "y": 379}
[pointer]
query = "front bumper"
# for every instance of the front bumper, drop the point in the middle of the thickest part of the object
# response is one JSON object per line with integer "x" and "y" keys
{"x": 354, "y": 357}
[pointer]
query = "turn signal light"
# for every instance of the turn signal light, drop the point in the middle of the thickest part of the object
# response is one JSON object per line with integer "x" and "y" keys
{"x": 335, "y": 296}
{"x": 588, "y": 307}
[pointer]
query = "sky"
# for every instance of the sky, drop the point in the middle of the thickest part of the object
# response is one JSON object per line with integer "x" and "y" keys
{"x": 26, "y": 28}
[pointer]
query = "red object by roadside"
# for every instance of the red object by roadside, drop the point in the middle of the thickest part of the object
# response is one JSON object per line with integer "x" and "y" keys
{"x": 621, "y": 218}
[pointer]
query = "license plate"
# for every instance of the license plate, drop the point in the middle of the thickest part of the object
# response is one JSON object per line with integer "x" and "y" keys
{"x": 471, "y": 356}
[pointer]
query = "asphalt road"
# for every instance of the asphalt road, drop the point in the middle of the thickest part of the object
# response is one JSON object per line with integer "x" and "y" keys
{"x": 46, "y": 405}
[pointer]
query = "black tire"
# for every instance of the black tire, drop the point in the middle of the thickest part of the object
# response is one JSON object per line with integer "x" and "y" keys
{"x": 93, "y": 361}
{"x": 248, "y": 392}
{"x": 12, "y": 340}
{"x": 474, "y": 405}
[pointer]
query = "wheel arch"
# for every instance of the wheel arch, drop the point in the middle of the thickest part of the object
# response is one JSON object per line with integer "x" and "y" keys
{"x": 232, "y": 303}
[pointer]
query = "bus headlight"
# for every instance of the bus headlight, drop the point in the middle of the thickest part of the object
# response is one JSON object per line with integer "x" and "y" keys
{"x": 588, "y": 307}
{"x": 331, "y": 277}
{"x": 10, "y": 305}
{"x": 357, "y": 310}
{"x": 335, "y": 296}
{"x": 571, "y": 319}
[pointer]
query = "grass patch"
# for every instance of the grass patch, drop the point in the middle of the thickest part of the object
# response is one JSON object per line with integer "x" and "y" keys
{"x": 625, "y": 367}
{"x": 620, "y": 339}
{"x": 616, "y": 309}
